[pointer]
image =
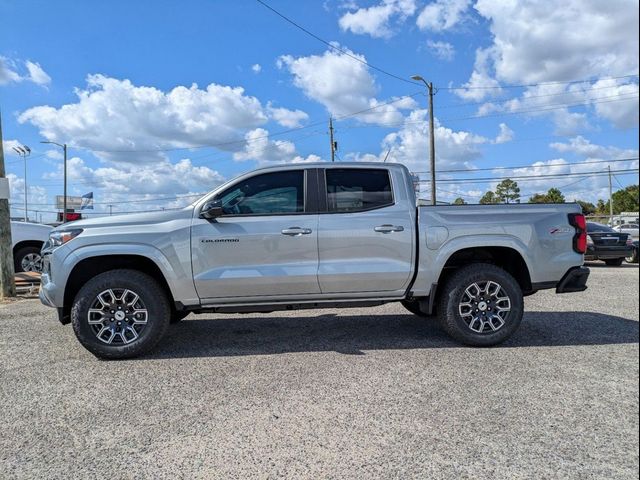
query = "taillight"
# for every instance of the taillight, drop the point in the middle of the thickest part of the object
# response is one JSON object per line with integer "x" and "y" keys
{"x": 578, "y": 221}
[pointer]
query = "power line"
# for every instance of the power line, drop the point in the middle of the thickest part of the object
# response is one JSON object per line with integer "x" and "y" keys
{"x": 333, "y": 47}
{"x": 468, "y": 170}
{"x": 530, "y": 177}
{"x": 557, "y": 106}
{"x": 527, "y": 85}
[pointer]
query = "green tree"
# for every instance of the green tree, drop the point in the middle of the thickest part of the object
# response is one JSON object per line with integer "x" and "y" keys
{"x": 508, "y": 191}
{"x": 538, "y": 198}
{"x": 554, "y": 196}
{"x": 625, "y": 200}
{"x": 602, "y": 207}
{"x": 588, "y": 208}
{"x": 459, "y": 201}
{"x": 489, "y": 198}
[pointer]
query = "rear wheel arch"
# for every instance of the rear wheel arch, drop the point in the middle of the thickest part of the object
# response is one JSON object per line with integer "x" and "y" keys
{"x": 507, "y": 258}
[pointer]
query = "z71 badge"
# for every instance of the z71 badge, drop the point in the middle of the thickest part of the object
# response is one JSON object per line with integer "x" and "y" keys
{"x": 556, "y": 230}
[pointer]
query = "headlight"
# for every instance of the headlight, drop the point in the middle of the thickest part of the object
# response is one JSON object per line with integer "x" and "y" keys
{"x": 60, "y": 237}
{"x": 589, "y": 240}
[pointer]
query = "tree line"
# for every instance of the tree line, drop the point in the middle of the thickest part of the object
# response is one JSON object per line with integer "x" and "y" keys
{"x": 508, "y": 191}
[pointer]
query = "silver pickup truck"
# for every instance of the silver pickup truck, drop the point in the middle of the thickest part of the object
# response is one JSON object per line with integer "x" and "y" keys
{"x": 309, "y": 236}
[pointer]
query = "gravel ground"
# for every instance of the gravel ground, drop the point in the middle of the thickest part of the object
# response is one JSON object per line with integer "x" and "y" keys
{"x": 359, "y": 393}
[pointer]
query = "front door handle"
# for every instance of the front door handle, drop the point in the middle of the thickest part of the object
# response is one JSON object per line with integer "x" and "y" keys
{"x": 389, "y": 228}
{"x": 296, "y": 231}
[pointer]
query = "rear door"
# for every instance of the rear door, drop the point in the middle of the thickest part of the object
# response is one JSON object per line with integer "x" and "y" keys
{"x": 265, "y": 244}
{"x": 365, "y": 233}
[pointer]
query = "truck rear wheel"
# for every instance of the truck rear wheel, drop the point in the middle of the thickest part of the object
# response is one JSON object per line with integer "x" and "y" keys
{"x": 120, "y": 314}
{"x": 481, "y": 305}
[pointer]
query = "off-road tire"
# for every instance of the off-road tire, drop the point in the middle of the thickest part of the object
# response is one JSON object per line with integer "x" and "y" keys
{"x": 149, "y": 291}
{"x": 451, "y": 296}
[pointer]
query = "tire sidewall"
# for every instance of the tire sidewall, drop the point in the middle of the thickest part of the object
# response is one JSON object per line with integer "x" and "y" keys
{"x": 452, "y": 320}
{"x": 20, "y": 254}
{"x": 151, "y": 295}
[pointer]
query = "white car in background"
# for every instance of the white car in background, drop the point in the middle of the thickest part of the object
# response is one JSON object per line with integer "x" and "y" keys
{"x": 630, "y": 228}
{"x": 27, "y": 239}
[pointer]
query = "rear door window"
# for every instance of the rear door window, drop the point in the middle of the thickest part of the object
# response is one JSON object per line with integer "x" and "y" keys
{"x": 357, "y": 189}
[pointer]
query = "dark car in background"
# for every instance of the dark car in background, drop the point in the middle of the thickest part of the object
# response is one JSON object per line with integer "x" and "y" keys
{"x": 633, "y": 258}
{"x": 604, "y": 243}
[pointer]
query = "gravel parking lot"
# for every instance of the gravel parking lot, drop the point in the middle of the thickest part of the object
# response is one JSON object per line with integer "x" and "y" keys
{"x": 359, "y": 393}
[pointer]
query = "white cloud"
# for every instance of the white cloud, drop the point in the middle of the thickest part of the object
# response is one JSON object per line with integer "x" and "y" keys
{"x": 7, "y": 71}
{"x": 263, "y": 150}
{"x": 442, "y": 15}
{"x": 559, "y": 40}
{"x": 442, "y": 50}
{"x": 287, "y": 118}
{"x": 9, "y": 145}
{"x": 481, "y": 84}
{"x": 374, "y": 21}
{"x": 410, "y": 145}
{"x": 164, "y": 178}
{"x": 342, "y": 85}
{"x": 35, "y": 201}
{"x": 35, "y": 73}
{"x": 256, "y": 67}
{"x": 583, "y": 147}
{"x": 505, "y": 135}
{"x": 113, "y": 114}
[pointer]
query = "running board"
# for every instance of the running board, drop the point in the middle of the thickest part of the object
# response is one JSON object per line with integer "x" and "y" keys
{"x": 272, "y": 307}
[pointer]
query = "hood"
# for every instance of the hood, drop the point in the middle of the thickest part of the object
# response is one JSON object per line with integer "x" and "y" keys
{"x": 130, "y": 219}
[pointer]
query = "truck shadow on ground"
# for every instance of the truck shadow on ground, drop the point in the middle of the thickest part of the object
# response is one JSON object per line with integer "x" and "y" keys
{"x": 355, "y": 334}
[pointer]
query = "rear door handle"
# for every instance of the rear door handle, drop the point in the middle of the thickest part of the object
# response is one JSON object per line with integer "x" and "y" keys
{"x": 296, "y": 231}
{"x": 388, "y": 228}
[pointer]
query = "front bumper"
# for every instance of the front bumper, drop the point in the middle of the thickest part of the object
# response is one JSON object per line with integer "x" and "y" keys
{"x": 575, "y": 280}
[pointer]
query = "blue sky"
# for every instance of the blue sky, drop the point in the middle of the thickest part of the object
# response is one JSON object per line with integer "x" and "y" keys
{"x": 160, "y": 101}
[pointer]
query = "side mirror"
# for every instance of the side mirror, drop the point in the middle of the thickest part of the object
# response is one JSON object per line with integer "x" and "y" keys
{"x": 212, "y": 210}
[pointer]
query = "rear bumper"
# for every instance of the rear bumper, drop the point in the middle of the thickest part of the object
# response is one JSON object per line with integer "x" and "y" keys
{"x": 600, "y": 253}
{"x": 575, "y": 280}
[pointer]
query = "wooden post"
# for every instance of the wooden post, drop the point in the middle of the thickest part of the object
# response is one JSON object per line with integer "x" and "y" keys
{"x": 7, "y": 282}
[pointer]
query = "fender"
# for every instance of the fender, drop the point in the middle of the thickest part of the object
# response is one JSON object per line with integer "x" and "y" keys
{"x": 432, "y": 262}
{"x": 176, "y": 273}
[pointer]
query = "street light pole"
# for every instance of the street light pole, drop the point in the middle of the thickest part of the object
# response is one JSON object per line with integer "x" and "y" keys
{"x": 64, "y": 199}
{"x": 432, "y": 143}
{"x": 24, "y": 151}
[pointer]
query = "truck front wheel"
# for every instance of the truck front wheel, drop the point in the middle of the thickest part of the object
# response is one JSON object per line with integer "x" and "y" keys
{"x": 481, "y": 305}
{"x": 120, "y": 314}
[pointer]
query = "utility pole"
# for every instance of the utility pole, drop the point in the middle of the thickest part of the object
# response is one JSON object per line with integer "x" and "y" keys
{"x": 64, "y": 200}
{"x": 333, "y": 143}
{"x": 110, "y": 209}
{"x": 432, "y": 142}
{"x": 24, "y": 151}
{"x": 610, "y": 198}
{"x": 7, "y": 282}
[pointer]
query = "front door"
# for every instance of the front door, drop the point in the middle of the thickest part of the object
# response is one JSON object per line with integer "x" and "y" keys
{"x": 265, "y": 243}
